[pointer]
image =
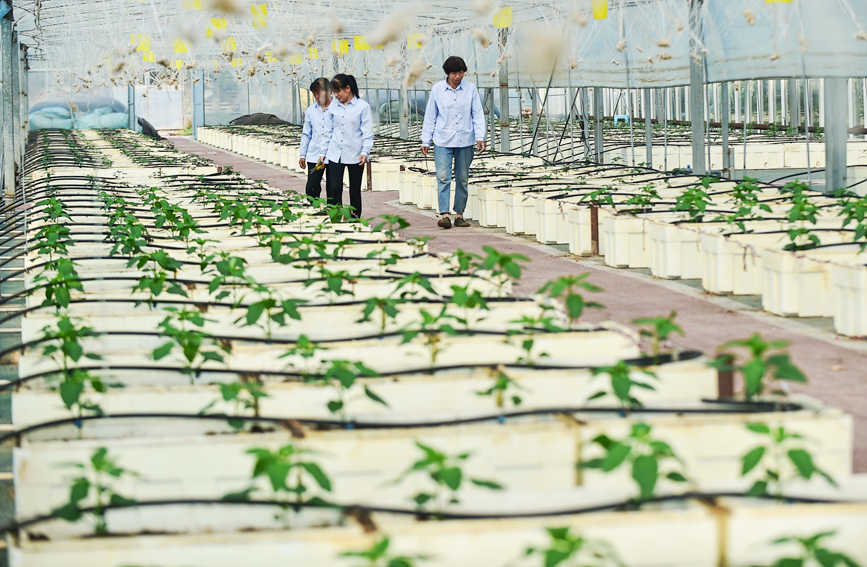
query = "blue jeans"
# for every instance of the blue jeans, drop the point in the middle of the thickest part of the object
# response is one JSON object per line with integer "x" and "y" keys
{"x": 462, "y": 157}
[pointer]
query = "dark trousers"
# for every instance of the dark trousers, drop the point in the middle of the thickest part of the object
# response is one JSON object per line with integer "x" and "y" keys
{"x": 314, "y": 180}
{"x": 334, "y": 185}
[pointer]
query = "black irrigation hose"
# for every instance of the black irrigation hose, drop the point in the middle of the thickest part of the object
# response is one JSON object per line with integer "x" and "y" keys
{"x": 334, "y": 425}
{"x": 626, "y": 505}
{"x": 299, "y": 376}
{"x": 231, "y": 306}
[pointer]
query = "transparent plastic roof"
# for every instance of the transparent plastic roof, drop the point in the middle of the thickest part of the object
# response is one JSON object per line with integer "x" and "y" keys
{"x": 616, "y": 43}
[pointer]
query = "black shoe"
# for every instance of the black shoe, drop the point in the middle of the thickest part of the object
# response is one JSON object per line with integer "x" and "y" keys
{"x": 444, "y": 222}
{"x": 461, "y": 222}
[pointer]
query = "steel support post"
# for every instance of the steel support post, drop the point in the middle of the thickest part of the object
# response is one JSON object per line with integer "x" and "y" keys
{"x": 25, "y": 96}
{"x": 727, "y": 158}
{"x": 585, "y": 121}
{"x": 836, "y": 132}
{"x": 198, "y": 101}
{"x": 597, "y": 124}
{"x": 16, "y": 99}
{"x": 696, "y": 89}
{"x": 505, "y": 135}
{"x": 794, "y": 103}
{"x": 648, "y": 128}
{"x": 6, "y": 132}
{"x": 535, "y": 110}
{"x": 403, "y": 102}
{"x": 130, "y": 106}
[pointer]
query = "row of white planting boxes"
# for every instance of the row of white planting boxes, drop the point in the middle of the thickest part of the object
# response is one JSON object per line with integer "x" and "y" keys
{"x": 534, "y": 456}
{"x": 829, "y": 281}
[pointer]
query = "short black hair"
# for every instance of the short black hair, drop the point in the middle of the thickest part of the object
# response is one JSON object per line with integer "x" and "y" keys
{"x": 454, "y": 64}
{"x": 320, "y": 84}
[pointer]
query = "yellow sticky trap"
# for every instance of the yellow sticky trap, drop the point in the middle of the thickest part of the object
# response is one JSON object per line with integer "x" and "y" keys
{"x": 216, "y": 24}
{"x": 237, "y": 62}
{"x": 778, "y": 1}
{"x": 340, "y": 46}
{"x": 229, "y": 44}
{"x": 295, "y": 60}
{"x": 600, "y": 9}
{"x": 179, "y": 63}
{"x": 270, "y": 57}
{"x": 361, "y": 43}
{"x": 181, "y": 46}
{"x": 313, "y": 53}
{"x": 148, "y": 57}
{"x": 143, "y": 40}
{"x": 412, "y": 40}
{"x": 503, "y": 18}
{"x": 191, "y": 4}
{"x": 260, "y": 15}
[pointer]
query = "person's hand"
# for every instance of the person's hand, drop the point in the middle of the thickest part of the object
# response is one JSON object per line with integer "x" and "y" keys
{"x": 321, "y": 159}
{"x": 425, "y": 150}
{"x": 362, "y": 160}
{"x": 480, "y": 145}
{"x": 303, "y": 163}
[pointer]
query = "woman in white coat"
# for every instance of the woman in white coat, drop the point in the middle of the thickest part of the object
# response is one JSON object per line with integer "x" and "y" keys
{"x": 313, "y": 140}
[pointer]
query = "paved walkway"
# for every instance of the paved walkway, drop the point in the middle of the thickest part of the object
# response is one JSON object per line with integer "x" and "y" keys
{"x": 835, "y": 366}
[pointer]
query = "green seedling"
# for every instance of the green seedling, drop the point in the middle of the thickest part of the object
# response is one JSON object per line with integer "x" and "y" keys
{"x": 157, "y": 265}
{"x": 503, "y": 267}
{"x": 745, "y": 198}
{"x": 447, "y": 476}
{"x": 62, "y": 343}
{"x": 694, "y": 200}
{"x": 183, "y": 326}
{"x": 289, "y": 472}
{"x": 467, "y": 300}
{"x": 377, "y": 556}
{"x": 801, "y": 214}
{"x": 270, "y": 308}
{"x": 58, "y": 287}
{"x": 387, "y": 307}
{"x": 644, "y": 199}
{"x": 566, "y": 289}
{"x": 622, "y": 383}
{"x": 599, "y": 197}
{"x": 342, "y": 375}
{"x": 529, "y": 329}
{"x": 231, "y": 272}
{"x": 813, "y": 552}
{"x": 571, "y": 550}
{"x": 431, "y": 328}
{"x": 767, "y": 362}
{"x": 243, "y": 396}
{"x": 306, "y": 349}
{"x": 390, "y": 225}
{"x": 414, "y": 284}
{"x": 658, "y": 330}
{"x": 95, "y": 486}
{"x": 780, "y": 445}
{"x": 461, "y": 262}
{"x": 645, "y": 455}
{"x": 504, "y": 389}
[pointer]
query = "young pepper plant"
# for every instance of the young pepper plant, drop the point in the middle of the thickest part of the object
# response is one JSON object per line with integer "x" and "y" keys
{"x": 244, "y": 396}
{"x": 658, "y": 330}
{"x": 377, "y": 556}
{"x": 95, "y": 481}
{"x": 342, "y": 375}
{"x": 622, "y": 383}
{"x": 447, "y": 476}
{"x": 504, "y": 389}
{"x": 779, "y": 446}
{"x": 567, "y": 289}
{"x": 289, "y": 471}
{"x": 768, "y": 361}
{"x": 572, "y": 550}
{"x": 694, "y": 200}
{"x": 645, "y": 455}
{"x": 183, "y": 326}
{"x": 813, "y": 551}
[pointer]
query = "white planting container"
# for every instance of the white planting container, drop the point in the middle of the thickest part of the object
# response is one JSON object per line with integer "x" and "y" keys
{"x": 800, "y": 283}
{"x": 492, "y": 208}
{"x": 850, "y": 299}
{"x": 552, "y": 221}
{"x": 625, "y": 242}
{"x": 676, "y": 251}
{"x": 447, "y": 395}
{"x": 520, "y": 213}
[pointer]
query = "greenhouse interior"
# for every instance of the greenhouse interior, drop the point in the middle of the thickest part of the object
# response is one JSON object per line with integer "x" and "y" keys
{"x": 586, "y": 285}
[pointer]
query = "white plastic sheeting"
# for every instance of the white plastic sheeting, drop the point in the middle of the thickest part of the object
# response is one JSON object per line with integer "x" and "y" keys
{"x": 638, "y": 43}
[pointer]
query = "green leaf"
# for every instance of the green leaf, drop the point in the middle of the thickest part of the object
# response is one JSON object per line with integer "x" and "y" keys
{"x": 803, "y": 461}
{"x": 370, "y": 394}
{"x": 759, "y": 488}
{"x": 759, "y": 428}
{"x": 617, "y": 453}
{"x": 645, "y": 471}
{"x": 79, "y": 490}
{"x": 451, "y": 477}
{"x": 118, "y": 500}
{"x": 254, "y": 312}
{"x": 555, "y": 557}
{"x": 487, "y": 484}
{"x": 318, "y": 475}
{"x": 162, "y": 351}
{"x": 68, "y": 512}
{"x": 675, "y": 476}
{"x": 574, "y": 306}
{"x": 751, "y": 459}
{"x": 70, "y": 393}
{"x": 334, "y": 406}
